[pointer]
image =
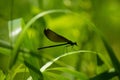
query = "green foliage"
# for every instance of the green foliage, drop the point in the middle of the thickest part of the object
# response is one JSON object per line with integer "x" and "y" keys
{"x": 82, "y": 21}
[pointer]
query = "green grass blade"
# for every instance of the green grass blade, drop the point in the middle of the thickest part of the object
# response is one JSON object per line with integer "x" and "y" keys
{"x": 105, "y": 76}
{"x": 20, "y": 38}
{"x": 48, "y": 64}
{"x": 2, "y": 75}
{"x": 74, "y": 73}
{"x": 5, "y": 51}
{"x": 38, "y": 75}
{"x": 113, "y": 58}
{"x": 109, "y": 49}
{"x": 5, "y": 44}
{"x": 54, "y": 76}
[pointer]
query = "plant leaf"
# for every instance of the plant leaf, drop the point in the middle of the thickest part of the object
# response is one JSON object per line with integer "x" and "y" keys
{"x": 74, "y": 73}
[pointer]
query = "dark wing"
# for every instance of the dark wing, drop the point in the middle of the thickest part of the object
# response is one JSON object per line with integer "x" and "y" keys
{"x": 55, "y": 37}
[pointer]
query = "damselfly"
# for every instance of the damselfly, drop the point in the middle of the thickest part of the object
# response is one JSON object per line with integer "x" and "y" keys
{"x": 56, "y": 38}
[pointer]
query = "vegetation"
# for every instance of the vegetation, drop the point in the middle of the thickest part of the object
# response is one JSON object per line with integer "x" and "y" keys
{"x": 92, "y": 24}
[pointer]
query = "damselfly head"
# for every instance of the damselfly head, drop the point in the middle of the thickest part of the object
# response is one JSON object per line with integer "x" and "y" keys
{"x": 72, "y": 43}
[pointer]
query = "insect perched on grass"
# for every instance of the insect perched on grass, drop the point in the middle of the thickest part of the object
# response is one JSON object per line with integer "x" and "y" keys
{"x": 56, "y": 38}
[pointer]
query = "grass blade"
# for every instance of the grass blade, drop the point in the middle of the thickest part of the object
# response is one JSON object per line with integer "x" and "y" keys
{"x": 20, "y": 38}
{"x": 109, "y": 49}
{"x": 48, "y": 64}
{"x": 75, "y": 73}
{"x": 37, "y": 76}
{"x": 105, "y": 76}
{"x": 113, "y": 58}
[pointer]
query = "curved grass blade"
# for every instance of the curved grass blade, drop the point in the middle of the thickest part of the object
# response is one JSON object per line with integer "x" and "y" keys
{"x": 109, "y": 49}
{"x": 75, "y": 73}
{"x": 5, "y": 44}
{"x": 54, "y": 76}
{"x": 48, "y": 64}
{"x": 105, "y": 76}
{"x": 113, "y": 58}
{"x": 20, "y": 38}
{"x": 40, "y": 76}
{"x": 2, "y": 75}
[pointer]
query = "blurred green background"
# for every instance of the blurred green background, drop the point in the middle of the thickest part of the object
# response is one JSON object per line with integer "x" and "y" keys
{"x": 105, "y": 14}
